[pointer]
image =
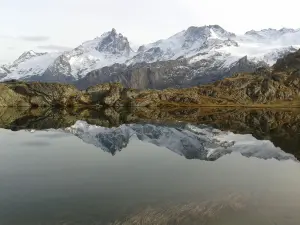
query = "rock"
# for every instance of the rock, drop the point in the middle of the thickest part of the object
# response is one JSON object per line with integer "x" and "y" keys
{"x": 37, "y": 94}
{"x": 165, "y": 74}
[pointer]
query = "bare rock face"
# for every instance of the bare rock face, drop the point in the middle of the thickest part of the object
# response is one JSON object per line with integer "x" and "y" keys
{"x": 11, "y": 98}
{"x": 290, "y": 63}
{"x": 105, "y": 94}
{"x": 113, "y": 95}
{"x": 114, "y": 43}
{"x": 36, "y": 94}
{"x": 165, "y": 74}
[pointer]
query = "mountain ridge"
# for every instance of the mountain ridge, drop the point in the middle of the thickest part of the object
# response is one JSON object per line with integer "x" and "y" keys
{"x": 207, "y": 53}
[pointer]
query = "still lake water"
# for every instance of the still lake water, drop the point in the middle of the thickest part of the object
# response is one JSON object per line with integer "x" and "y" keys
{"x": 217, "y": 172}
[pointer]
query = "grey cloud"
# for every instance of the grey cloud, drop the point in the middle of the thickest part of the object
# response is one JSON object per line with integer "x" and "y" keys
{"x": 54, "y": 47}
{"x": 26, "y": 38}
{"x": 34, "y": 38}
{"x": 2, "y": 36}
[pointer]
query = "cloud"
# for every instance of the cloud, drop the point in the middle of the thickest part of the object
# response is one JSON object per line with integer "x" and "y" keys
{"x": 54, "y": 47}
{"x": 2, "y": 36}
{"x": 34, "y": 38}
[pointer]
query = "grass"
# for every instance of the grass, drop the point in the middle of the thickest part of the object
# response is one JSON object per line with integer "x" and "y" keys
{"x": 191, "y": 105}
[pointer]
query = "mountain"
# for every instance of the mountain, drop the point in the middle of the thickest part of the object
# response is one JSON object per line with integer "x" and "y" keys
{"x": 105, "y": 50}
{"x": 193, "y": 142}
{"x": 165, "y": 74}
{"x": 27, "y": 65}
{"x": 186, "y": 43}
{"x": 282, "y": 36}
{"x": 194, "y": 56}
{"x": 275, "y": 86}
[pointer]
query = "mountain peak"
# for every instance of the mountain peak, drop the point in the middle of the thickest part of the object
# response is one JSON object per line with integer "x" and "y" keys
{"x": 28, "y": 54}
{"x": 288, "y": 30}
{"x": 113, "y": 31}
{"x": 271, "y": 32}
{"x": 213, "y": 31}
{"x": 114, "y": 43}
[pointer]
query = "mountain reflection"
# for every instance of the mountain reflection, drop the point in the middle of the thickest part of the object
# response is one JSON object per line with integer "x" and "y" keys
{"x": 194, "y": 142}
{"x": 202, "y": 133}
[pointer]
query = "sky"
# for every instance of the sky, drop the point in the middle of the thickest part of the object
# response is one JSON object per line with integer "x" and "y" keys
{"x": 59, "y": 25}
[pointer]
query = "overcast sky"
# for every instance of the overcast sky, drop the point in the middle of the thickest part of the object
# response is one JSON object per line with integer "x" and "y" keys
{"x": 48, "y": 25}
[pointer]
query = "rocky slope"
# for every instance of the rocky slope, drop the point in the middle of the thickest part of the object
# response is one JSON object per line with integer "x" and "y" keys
{"x": 165, "y": 74}
{"x": 194, "y": 56}
{"x": 278, "y": 86}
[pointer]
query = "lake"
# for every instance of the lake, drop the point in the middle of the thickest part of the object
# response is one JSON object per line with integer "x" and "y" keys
{"x": 149, "y": 166}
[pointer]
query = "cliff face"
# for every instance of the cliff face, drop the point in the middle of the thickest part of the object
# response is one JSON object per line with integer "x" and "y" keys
{"x": 164, "y": 74}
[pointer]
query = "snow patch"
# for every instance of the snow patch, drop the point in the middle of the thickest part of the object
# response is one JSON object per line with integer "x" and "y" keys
{"x": 30, "y": 66}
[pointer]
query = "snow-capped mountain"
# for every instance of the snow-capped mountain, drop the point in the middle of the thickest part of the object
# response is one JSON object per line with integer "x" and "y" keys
{"x": 185, "y": 44}
{"x": 195, "y": 56}
{"x": 193, "y": 142}
{"x": 284, "y": 36}
{"x": 205, "y": 41}
{"x": 202, "y": 54}
{"x": 3, "y": 72}
{"x": 28, "y": 64}
{"x": 105, "y": 50}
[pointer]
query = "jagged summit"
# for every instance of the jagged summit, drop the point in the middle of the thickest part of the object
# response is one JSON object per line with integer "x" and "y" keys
{"x": 28, "y": 55}
{"x": 273, "y": 34}
{"x": 114, "y": 43}
{"x": 109, "y": 42}
{"x": 185, "y": 44}
{"x": 105, "y": 50}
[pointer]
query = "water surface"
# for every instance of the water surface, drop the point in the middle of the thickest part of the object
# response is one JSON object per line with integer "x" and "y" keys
{"x": 187, "y": 166}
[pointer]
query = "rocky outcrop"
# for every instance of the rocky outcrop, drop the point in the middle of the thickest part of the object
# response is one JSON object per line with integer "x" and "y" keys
{"x": 21, "y": 94}
{"x": 277, "y": 89}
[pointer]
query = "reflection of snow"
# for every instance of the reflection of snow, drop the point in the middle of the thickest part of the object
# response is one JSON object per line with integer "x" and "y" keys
{"x": 198, "y": 142}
